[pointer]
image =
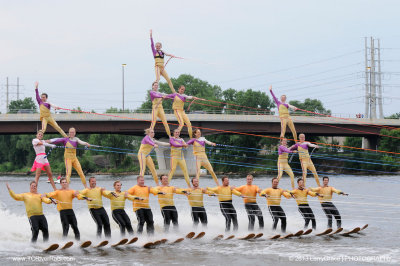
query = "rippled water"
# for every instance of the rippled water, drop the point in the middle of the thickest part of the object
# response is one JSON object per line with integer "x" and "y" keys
{"x": 373, "y": 200}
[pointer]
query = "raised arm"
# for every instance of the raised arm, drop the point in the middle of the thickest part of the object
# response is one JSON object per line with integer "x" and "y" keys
{"x": 18, "y": 197}
{"x": 312, "y": 145}
{"x": 152, "y": 43}
{"x": 39, "y": 101}
{"x": 209, "y": 142}
{"x": 277, "y": 102}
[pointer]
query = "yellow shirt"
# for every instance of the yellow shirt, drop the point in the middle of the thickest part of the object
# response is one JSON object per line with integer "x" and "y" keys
{"x": 303, "y": 153}
{"x": 274, "y": 194}
{"x": 250, "y": 192}
{"x": 198, "y": 149}
{"x": 176, "y": 152}
{"x": 301, "y": 195}
{"x": 33, "y": 202}
{"x": 159, "y": 61}
{"x": 196, "y": 197}
{"x": 178, "y": 104}
{"x": 145, "y": 148}
{"x": 156, "y": 102}
{"x": 117, "y": 203}
{"x": 283, "y": 111}
{"x": 326, "y": 192}
{"x": 64, "y": 198}
{"x": 224, "y": 193}
{"x": 283, "y": 157}
{"x": 70, "y": 151}
{"x": 141, "y": 192}
{"x": 44, "y": 111}
{"x": 96, "y": 195}
{"x": 168, "y": 198}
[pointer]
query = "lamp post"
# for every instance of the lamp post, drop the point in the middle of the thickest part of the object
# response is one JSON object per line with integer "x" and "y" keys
{"x": 123, "y": 87}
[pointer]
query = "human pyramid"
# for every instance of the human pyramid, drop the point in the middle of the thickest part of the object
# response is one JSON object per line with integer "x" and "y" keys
{"x": 140, "y": 193}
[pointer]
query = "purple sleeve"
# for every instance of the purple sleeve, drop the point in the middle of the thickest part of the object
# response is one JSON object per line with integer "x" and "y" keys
{"x": 59, "y": 140}
{"x": 147, "y": 140}
{"x": 283, "y": 149}
{"x": 152, "y": 47}
{"x": 175, "y": 143}
{"x": 170, "y": 96}
{"x": 38, "y": 97}
{"x": 275, "y": 99}
{"x": 190, "y": 142}
{"x": 294, "y": 147}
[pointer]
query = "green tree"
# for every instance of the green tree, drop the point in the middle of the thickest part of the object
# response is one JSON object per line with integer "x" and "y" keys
{"x": 194, "y": 87}
{"x": 393, "y": 116}
{"x": 353, "y": 142}
{"x": 25, "y": 104}
{"x": 312, "y": 105}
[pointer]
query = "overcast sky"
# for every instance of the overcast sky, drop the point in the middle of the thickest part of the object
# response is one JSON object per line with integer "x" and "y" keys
{"x": 303, "y": 48}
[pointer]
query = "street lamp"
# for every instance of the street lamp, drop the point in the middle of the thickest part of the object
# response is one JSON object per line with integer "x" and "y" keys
{"x": 123, "y": 87}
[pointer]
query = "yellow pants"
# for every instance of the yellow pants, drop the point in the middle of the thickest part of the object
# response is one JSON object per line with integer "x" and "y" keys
{"x": 50, "y": 120}
{"x": 203, "y": 161}
{"x": 287, "y": 121}
{"x": 182, "y": 163}
{"x": 284, "y": 166}
{"x": 159, "y": 112}
{"x": 160, "y": 70}
{"x": 307, "y": 164}
{"x": 69, "y": 163}
{"x": 147, "y": 161}
{"x": 182, "y": 120}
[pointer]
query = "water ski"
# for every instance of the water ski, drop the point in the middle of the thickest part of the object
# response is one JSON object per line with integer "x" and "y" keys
{"x": 200, "y": 235}
{"x": 85, "y": 244}
{"x": 230, "y": 237}
{"x": 327, "y": 231}
{"x": 148, "y": 245}
{"x": 249, "y": 236}
{"x": 218, "y": 237}
{"x": 258, "y": 235}
{"x": 364, "y": 227}
{"x": 68, "y": 245}
{"x": 133, "y": 240}
{"x": 190, "y": 235}
{"x": 102, "y": 244}
{"x": 52, "y": 247}
{"x": 336, "y": 232}
{"x": 286, "y": 236}
{"x": 307, "y": 232}
{"x": 275, "y": 237}
{"x": 121, "y": 242}
{"x": 355, "y": 230}
{"x": 178, "y": 240}
{"x": 299, "y": 233}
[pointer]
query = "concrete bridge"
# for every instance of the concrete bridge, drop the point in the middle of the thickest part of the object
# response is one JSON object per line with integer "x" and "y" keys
{"x": 135, "y": 123}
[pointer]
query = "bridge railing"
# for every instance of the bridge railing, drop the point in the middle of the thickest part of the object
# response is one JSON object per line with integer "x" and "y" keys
{"x": 199, "y": 112}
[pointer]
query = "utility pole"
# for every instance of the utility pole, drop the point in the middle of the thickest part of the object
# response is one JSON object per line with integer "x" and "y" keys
{"x": 366, "y": 113}
{"x": 372, "y": 81}
{"x": 380, "y": 99}
{"x": 7, "y": 95}
{"x": 17, "y": 88}
{"x": 123, "y": 87}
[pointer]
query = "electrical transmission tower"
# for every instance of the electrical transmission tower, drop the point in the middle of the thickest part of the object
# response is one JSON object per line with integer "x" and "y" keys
{"x": 8, "y": 93}
{"x": 373, "y": 78}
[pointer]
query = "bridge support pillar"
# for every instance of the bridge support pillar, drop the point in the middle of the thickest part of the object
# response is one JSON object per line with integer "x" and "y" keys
{"x": 163, "y": 158}
{"x": 370, "y": 142}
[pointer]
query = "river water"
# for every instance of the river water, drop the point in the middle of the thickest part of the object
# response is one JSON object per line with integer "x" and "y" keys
{"x": 373, "y": 200}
